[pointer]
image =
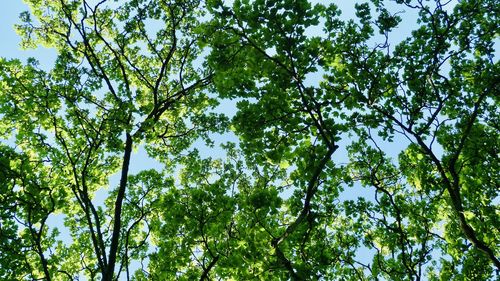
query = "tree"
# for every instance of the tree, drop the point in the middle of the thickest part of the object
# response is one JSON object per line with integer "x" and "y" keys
{"x": 283, "y": 203}
{"x": 115, "y": 85}
{"x": 436, "y": 89}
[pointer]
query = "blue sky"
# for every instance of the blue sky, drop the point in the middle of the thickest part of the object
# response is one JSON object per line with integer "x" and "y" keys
{"x": 9, "y": 48}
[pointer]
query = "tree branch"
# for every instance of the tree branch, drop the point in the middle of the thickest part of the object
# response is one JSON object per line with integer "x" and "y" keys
{"x": 118, "y": 210}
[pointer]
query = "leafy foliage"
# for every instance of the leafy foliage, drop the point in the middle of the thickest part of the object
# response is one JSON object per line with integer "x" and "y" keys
{"x": 359, "y": 156}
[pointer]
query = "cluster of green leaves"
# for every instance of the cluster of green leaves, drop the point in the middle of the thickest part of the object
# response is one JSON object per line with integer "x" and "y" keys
{"x": 315, "y": 188}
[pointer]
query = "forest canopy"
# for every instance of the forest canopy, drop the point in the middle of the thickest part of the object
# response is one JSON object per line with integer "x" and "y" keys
{"x": 290, "y": 140}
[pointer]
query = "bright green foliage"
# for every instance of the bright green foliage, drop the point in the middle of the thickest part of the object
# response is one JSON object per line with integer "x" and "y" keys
{"x": 116, "y": 84}
{"x": 360, "y": 156}
{"x": 429, "y": 213}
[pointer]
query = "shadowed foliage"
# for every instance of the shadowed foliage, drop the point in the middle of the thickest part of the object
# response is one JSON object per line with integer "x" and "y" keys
{"x": 366, "y": 147}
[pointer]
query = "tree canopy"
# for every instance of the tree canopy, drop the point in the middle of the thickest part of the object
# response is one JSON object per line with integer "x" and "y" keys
{"x": 357, "y": 154}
